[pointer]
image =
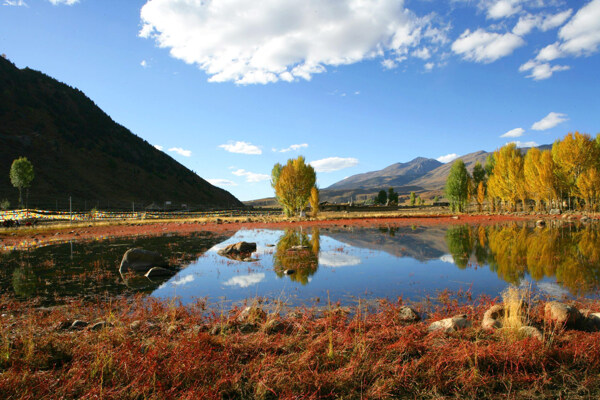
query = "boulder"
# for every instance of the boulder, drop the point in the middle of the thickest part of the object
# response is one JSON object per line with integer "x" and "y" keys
{"x": 99, "y": 326}
{"x": 594, "y": 321}
{"x": 531, "y": 332}
{"x": 492, "y": 317}
{"x": 238, "y": 248}
{"x": 562, "y": 314}
{"x": 141, "y": 260}
{"x": 273, "y": 326}
{"x": 252, "y": 315}
{"x": 408, "y": 314}
{"x": 450, "y": 324}
{"x": 158, "y": 272}
{"x": 555, "y": 211}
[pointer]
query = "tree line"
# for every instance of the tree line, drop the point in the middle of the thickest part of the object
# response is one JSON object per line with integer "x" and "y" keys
{"x": 567, "y": 175}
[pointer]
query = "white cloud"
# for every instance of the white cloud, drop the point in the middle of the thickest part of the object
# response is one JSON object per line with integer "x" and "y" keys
{"x": 389, "y": 64}
{"x": 429, "y": 66}
{"x": 294, "y": 147}
{"x": 183, "y": 280}
{"x": 65, "y": 2}
{"x": 244, "y": 281}
{"x": 503, "y": 8}
{"x": 447, "y": 158}
{"x": 334, "y": 259}
{"x": 525, "y": 144}
{"x": 144, "y": 63}
{"x": 241, "y": 148}
{"x": 486, "y": 47}
{"x": 581, "y": 35}
{"x": 549, "y": 121}
{"x": 540, "y": 70}
{"x": 517, "y": 132}
{"x": 249, "y": 42}
{"x": 251, "y": 176}
{"x": 181, "y": 152}
{"x": 333, "y": 164}
{"x": 543, "y": 22}
{"x": 15, "y": 3}
{"x": 423, "y": 53}
{"x": 221, "y": 182}
{"x": 158, "y": 147}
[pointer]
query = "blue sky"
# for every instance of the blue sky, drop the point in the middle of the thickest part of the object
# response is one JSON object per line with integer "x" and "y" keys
{"x": 230, "y": 87}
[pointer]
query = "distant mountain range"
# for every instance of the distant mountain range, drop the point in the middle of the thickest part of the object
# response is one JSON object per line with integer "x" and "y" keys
{"x": 77, "y": 150}
{"x": 424, "y": 176}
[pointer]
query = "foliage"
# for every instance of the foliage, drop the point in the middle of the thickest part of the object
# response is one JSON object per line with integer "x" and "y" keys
{"x": 489, "y": 165}
{"x": 413, "y": 198}
{"x": 293, "y": 185}
{"x": 457, "y": 186}
{"x": 21, "y": 175}
{"x": 572, "y": 156}
{"x": 381, "y": 197}
{"x": 480, "y": 195}
{"x": 507, "y": 181}
{"x": 4, "y": 204}
{"x": 478, "y": 174}
{"x": 314, "y": 201}
{"x": 392, "y": 196}
{"x": 295, "y": 252}
{"x": 588, "y": 186}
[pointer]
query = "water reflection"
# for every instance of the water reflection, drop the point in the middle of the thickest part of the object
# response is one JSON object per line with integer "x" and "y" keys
{"x": 296, "y": 255}
{"x": 569, "y": 254}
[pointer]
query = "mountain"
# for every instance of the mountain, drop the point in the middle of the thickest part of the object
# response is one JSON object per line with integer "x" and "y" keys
{"x": 398, "y": 174}
{"x": 77, "y": 150}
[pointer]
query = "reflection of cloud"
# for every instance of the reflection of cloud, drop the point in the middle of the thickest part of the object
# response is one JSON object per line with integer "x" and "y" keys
{"x": 245, "y": 280}
{"x": 333, "y": 259}
{"x": 183, "y": 280}
{"x": 447, "y": 258}
{"x": 553, "y": 289}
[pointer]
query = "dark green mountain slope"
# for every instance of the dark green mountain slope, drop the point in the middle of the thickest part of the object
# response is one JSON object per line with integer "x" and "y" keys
{"x": 77, "y": 150}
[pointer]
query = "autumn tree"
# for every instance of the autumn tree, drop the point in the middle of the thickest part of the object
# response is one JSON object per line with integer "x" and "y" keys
{"x": 293, "y": 185}
{"x": 314, "y": 201}
{"x": 21, "y": 175}
{"x": 573, "y": 156}
{"x": 540, "y": 179}
{"x": 457, "y": 186}
{"x": 507, "y": 181}
{"x": 480, "y": 195}
{"x": 588, "y": 186}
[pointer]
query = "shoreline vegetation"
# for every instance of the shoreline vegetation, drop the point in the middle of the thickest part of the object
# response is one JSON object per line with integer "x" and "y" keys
{"x": 145, "y": 348}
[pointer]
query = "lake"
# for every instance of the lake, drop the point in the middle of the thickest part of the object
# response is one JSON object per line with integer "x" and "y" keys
{"x": 304, "y": 267}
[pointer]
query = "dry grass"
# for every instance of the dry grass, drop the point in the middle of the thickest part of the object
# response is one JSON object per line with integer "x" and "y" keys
{"x": 516, "y": 302}
{"x": 162, "y": 350}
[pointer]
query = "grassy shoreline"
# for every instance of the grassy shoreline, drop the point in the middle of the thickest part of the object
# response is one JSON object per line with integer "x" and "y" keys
{"x": 145, "y": 348}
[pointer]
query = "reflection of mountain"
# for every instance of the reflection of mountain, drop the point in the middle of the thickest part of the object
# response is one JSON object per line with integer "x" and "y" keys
{"x": 422, "y": 244}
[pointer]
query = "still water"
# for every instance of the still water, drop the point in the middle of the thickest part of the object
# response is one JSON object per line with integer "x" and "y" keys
{"x": 305, "y": 266}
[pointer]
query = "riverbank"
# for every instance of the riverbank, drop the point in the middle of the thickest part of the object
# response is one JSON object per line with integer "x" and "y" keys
{"x": 26, "y": 237}
{"x": 143, "y": 348}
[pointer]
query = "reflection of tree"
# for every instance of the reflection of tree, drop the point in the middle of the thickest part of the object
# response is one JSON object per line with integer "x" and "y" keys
{"x": 295, "y": 252}
{"x": 460, "y": 244}
{"x": 24, "y": 281}
{"x": 572, "y": 257}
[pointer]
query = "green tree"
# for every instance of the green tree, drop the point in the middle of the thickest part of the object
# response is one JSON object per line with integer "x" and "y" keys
{"x": 436, "y": 199}
{"x": 478, "y": 175}
{"x": 392, "y": 196}
{"x": 381, "y": 197}
{"x": 457, "y": 186}
{"x": 413, "y": 198}
{"x": 21, "y": 175}
{"x": 4, "y": 204}
{"x": 490, "y": 162}
{"x": 293, "y": 185}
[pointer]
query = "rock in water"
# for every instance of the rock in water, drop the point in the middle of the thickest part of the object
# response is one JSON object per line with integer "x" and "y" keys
{"x": 141, "y": 260}
{"x": 240, "y": 251}
{"x": 158, "y": 271}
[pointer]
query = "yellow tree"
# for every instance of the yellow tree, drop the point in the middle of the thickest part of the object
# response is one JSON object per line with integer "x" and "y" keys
{"x": 588, "y": 186}
{"x": 314, "y": 201}
{"x": 293, "y": 185}
{"x": 573, "y": 155}
{"x": 530, "y": 171}
{"x": 507, "y": 181}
